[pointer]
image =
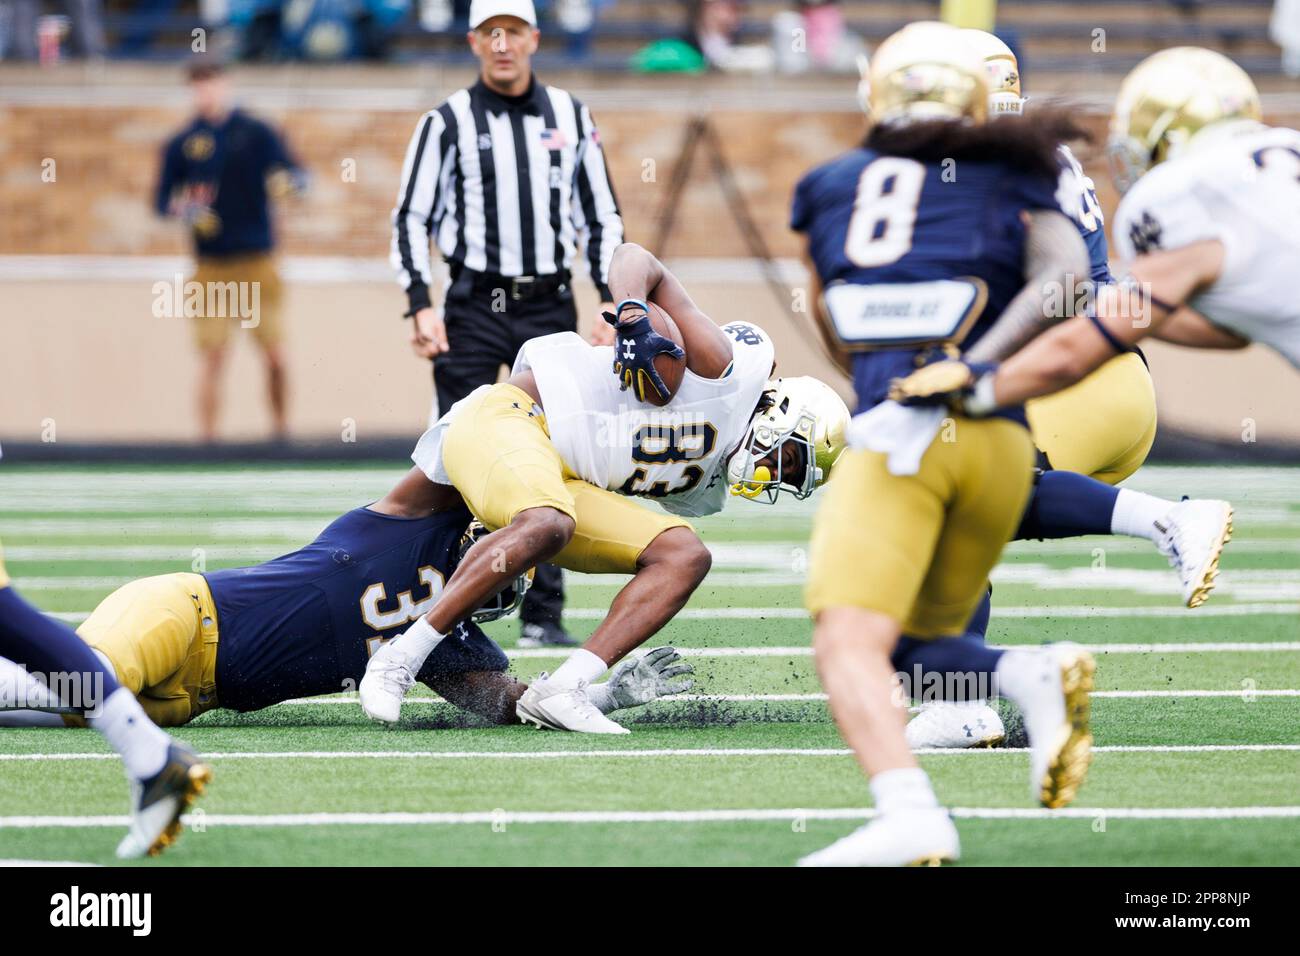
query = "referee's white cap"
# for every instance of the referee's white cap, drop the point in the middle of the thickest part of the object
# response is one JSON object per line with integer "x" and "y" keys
{"x": 481, "y": 10}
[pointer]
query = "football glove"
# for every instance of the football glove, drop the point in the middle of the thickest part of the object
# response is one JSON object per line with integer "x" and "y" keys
{"x": 636, "y": 345}
{"x": 965, "y": 387}
{"x": 639, "y": 680}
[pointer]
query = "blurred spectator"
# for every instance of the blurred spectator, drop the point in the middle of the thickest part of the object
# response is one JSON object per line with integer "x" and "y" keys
{"x": 148, "y": 17}
{"x": 85, "y": 26}
{"x": 1284, "y": 28}
{"x": 715, "y": 26}
{"x": 218, "y": 175}
{"x": 315, "y": 29}
{"x": 824, "y": 41}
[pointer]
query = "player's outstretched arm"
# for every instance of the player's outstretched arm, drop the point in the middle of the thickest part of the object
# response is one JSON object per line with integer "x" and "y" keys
{"x": 636, "y": 274}
{"x": 1056, "y": 258}
{"x": 1139, "y": 306}
{"x": 1189, "y": 328}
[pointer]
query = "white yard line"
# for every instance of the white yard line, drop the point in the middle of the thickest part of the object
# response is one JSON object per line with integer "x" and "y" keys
{"x": 634, "y": 754}
{"x": 1207, "y": 647}
{"x": 1244, "y": 695}
{"x": 778, "y": 613}
{"x": 502, "y": 816}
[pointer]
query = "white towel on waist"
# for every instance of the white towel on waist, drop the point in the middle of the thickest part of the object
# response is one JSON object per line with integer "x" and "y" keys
{"x": 901, "y": 432}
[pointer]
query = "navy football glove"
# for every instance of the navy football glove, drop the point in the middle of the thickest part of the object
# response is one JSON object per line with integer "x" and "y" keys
{"x": 636, "y": 345}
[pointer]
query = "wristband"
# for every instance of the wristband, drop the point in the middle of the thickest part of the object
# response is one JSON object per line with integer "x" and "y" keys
{"x": 639, "y": 303}
{"x": 980, "y": 401}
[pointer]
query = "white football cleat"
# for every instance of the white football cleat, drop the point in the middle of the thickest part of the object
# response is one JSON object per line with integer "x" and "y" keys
{"x": 1192, "y": 536}
{"x": 955, "y": 726}
{"x": 1056, "y": 719}
{"x": 920, "y": 837}
{"x": 563, "y": 708}
{"x": 389, "y": 675}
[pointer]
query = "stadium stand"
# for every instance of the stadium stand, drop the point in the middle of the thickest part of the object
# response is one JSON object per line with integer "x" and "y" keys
{"x": 1056, "y": 32}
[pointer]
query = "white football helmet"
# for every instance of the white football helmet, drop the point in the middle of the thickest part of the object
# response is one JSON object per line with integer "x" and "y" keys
{"x": 793, "y": 441}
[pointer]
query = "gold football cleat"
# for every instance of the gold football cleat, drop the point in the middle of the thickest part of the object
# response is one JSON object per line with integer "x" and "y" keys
{"x": 1068, "y": 765}
{"x": 1202, "y": 591}
{"x": 197, "y": 778}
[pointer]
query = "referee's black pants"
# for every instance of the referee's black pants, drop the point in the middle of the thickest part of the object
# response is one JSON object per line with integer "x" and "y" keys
{"x": 481, "y": 339}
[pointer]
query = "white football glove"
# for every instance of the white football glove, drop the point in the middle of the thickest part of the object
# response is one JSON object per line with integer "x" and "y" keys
{"x": 639, "y": 680}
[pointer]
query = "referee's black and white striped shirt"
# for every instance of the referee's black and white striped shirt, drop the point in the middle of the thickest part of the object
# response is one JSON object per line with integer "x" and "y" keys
{"x": 505, "y": 187}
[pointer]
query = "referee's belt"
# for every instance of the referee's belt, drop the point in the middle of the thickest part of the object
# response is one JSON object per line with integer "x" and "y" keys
{"x": 517, "y": 287}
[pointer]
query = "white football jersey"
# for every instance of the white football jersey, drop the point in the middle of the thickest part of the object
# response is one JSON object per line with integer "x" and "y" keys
{"x": 675, "y": 455}
{"x": 1241, "y": 186}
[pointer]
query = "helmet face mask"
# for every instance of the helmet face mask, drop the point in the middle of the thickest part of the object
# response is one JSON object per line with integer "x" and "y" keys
{"x": 793, "y": 441}
{"x": 506, "y": 601}
{"x": 756, "y": 482}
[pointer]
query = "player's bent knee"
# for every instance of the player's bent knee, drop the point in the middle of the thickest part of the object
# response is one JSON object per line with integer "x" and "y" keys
{"x": 545, "y": 530}
{"x": 682, "y": 548}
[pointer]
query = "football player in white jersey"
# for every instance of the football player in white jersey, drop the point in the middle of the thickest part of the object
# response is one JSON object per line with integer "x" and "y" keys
{"x": 551, "y": 459}
{"x": 1207, "y": 224}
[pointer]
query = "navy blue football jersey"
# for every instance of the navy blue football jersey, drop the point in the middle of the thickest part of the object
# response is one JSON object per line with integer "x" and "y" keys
{"x": 306, "y": 623}
{"x": 1085, "y": 210}
{"x": 878, "y": 220}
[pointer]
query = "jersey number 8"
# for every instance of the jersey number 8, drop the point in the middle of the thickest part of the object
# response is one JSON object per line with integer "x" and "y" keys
{"x": 884, "y": 212}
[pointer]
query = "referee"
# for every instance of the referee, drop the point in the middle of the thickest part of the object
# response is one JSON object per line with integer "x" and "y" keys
{"x": 507, "y": 178}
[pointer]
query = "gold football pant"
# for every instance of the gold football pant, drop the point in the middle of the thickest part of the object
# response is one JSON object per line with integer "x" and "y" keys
{"x": 500, "y": 457}
{"x": 919, "y": 548}
{"x": 160, "y": 635}
{"x": 1102, "y": 426}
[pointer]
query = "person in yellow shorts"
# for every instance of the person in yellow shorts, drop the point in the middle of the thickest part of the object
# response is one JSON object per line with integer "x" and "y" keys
{"x": 304, "y": 624}
{"x": 47, "y": 665}
{"x": 911, "y": 262}
{"x": 218, "y": 176}
{"x": 554, "y": 460}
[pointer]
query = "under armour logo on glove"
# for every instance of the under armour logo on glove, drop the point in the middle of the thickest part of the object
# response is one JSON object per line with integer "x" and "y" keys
{"x": 634, "y": 360}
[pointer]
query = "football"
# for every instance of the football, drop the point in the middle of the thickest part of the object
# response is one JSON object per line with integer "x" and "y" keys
{"x": 670, "y": 368}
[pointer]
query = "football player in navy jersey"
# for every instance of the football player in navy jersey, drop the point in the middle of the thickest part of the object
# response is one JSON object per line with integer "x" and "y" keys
{"x": 1103, "y": 427}
{"x": 1089, "y": 438}
{"x": 940, "y": 230}
{"x": 307, "y": 622}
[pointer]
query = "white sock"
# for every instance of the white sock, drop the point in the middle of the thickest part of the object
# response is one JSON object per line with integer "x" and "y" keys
{"x": 132, "y": 734}
{"x": 1136, "y": 514}
{"x": 1022, "y": 674}
{"x": 417, "y": 641}
{"x": 907, "y": 788}
{"x": 582, "y": 665}
{"x": 1032, "y": 679}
